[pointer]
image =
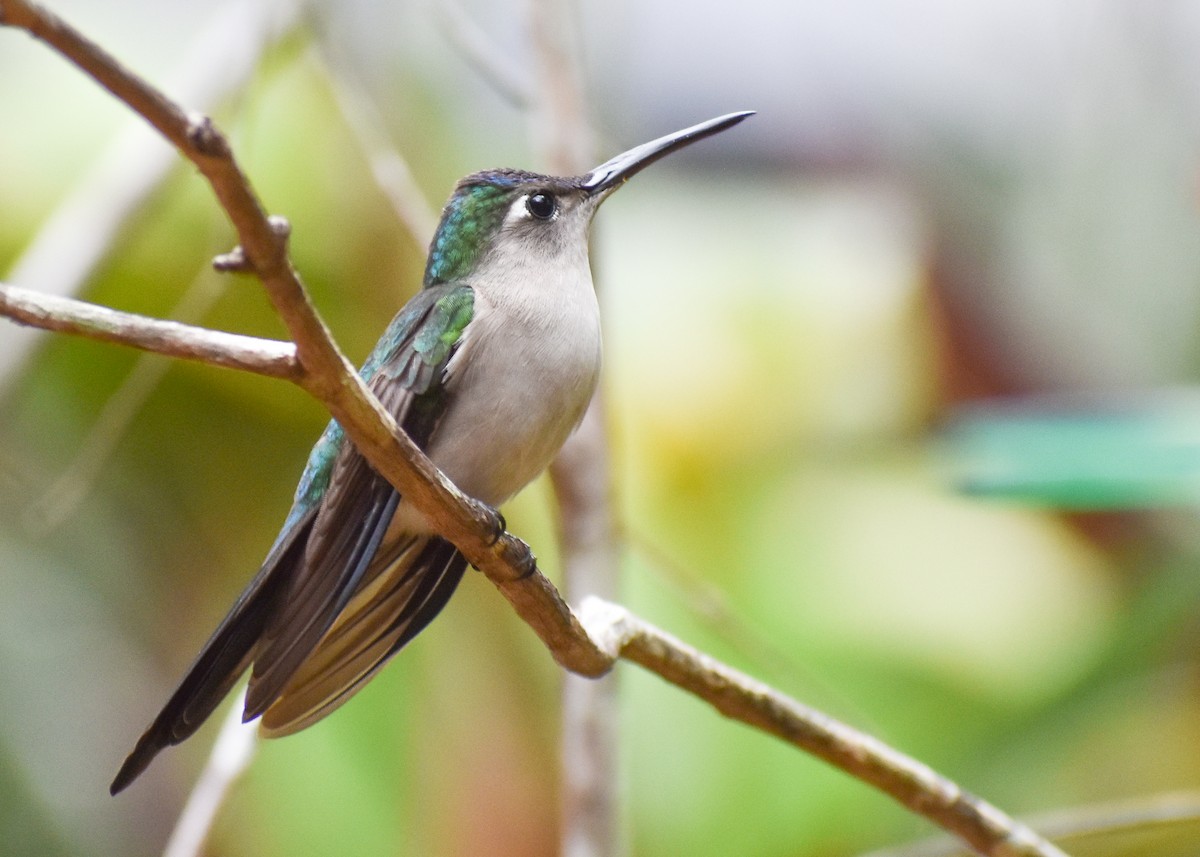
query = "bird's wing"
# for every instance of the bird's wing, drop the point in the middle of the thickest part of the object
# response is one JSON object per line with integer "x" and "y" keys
{"x": 382, "y": 617}
{"x": 408, "y": 372}
{"x": 340, "y": 514}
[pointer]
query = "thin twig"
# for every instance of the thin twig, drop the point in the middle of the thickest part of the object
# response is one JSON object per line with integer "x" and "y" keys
{"x": 1122, "y": 817}
{"x": 230, "y": 756}
{"x": 268, "y": 357}
{"x": 388, "y": 167}
{"x": 56, "y": 503}
{"x": 482, "y": 54}
{"x": 709, "y": 605}
{"x": 559, "y": 122}
{"x": 591, "y": 771}
{"x": 614, "y": 632}
{"x": 83, "y": 228}
{"x": 742, "y": 698}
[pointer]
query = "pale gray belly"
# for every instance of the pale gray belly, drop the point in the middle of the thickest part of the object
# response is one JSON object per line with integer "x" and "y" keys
{"x": 514, "y": 399}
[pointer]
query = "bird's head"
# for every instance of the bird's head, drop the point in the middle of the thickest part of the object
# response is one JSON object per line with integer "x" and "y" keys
{"x": 543, "y": 217}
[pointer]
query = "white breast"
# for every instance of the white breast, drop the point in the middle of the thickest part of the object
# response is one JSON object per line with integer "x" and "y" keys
{"x": 521, "y": 379}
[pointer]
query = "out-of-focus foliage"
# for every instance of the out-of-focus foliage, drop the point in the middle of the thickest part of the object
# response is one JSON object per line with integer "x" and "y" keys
{"x": 1131, "y": 454}
{"x": 793, "y": 315}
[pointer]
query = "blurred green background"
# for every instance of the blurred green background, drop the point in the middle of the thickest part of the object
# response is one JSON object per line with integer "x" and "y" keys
{"x": 899, "y": 381}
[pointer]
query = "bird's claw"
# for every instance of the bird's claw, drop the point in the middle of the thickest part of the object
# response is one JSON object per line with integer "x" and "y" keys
{"x": 501, "y": 526}
{"x": 529, "y": 563}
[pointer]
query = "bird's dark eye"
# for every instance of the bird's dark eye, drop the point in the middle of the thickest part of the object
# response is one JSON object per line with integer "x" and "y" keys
{"x": 541, "y": 205}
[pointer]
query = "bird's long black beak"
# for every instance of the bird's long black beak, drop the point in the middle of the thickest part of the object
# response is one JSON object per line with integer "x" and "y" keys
{"x": 614, "y": 172}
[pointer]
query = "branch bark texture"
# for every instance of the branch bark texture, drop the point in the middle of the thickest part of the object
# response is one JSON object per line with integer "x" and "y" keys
{"x": 67, "y": 315}
{"x": 739, "y": 697}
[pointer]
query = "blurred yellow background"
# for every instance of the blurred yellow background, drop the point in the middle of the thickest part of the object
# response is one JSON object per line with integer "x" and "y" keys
{"x": 938, "y": 212}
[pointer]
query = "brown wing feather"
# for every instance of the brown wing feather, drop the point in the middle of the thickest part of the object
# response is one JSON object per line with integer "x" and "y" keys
{"x": 383, "y": 616}
{"x": 346, "y": 534}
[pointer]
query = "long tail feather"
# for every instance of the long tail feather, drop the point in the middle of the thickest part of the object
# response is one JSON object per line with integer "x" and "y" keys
{"x": 220, "y": 663}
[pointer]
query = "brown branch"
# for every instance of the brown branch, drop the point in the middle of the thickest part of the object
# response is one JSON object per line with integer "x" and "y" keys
{"x": 66, "y": 315}
{"x": 80, "y": 232}
{"x": 590, "y": 740}
{"x": 740, "y": 697}
{"x": 326, "y": 374}
{"x": 1103, "y": 821}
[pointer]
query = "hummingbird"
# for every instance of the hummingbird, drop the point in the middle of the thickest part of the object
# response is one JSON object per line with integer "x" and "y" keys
{"x": 488, "y": 368}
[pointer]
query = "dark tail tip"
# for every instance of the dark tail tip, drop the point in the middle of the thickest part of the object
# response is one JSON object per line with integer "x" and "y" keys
{"x": 137, "y": 762}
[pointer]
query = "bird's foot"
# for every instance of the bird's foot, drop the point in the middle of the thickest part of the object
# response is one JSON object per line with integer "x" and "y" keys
{"x": 515, "y": 551}
{"x": 527, "y": 564}
{"x": 520, "y": 557}
{"x": 500, "y": 526}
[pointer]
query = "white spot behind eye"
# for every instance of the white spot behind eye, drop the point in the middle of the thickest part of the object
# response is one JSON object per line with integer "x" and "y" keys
{"x": 517, "y": 212}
